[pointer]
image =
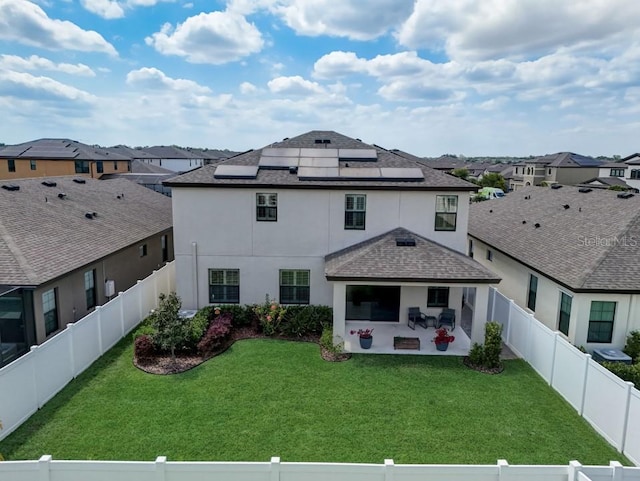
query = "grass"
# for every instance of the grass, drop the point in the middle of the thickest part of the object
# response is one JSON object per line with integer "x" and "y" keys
{"x": 266, "y": 398}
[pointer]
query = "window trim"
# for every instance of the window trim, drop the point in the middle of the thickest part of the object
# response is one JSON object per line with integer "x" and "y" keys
{"x": 600, "y": 321}
{"x": 560, "y": 312}
{"x": 296, "y": 298}
{"x": 227, "y": 285}
{"x": 142, "y": 250}
{"x": 90, "y": 292}
{"x": 270, "y": 211}
{"x": 446, "y": 212}
{"x": 489, "y": 255}
{"x": 532, "y": 293}
{"x": 616, "y": 172}
{"x": 354, "y": 212}
{"x": 437, "y": 301}
{"x": 33, "y": 164}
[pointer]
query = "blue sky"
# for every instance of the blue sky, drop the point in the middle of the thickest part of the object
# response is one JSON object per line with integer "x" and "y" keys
{"x": 471, "y": 77}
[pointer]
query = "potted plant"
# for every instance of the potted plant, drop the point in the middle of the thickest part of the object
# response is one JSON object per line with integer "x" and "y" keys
{"x": 365, "y": 336}
{"x": 442, "y": 339}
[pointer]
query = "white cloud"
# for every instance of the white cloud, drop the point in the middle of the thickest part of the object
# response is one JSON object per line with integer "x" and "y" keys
{"x": 26, "y": 86}
{"x": 339, "y": 64}
{"x": 214, "y": 38}
{"x": 152, "y": 78}
{"x": 25, "y": 22}
{"x": 34, "y": 62}
{"x": 108, "y": 9}
{"x": 295, "y": 86}
{"x": 247, "y": 88}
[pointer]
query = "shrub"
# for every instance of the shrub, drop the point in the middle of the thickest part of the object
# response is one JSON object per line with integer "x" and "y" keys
{"x": 217, "y": 334}
{"x": 326, "y": 342}
{"x": 172, "y": 331}
{"x": 632, "y": 347}
{"x": 476, "y": 354}
{"x": 240, "y": 315}
{"x": 144, "y": 348}
{"x": 304, "y": 320}
{"x": 144, "y": 329}
{"x": 198, "y": 325}
{"x": 492, "y": 344}
{"x": 270, "y": 314}
{"x": 627, "y": 372}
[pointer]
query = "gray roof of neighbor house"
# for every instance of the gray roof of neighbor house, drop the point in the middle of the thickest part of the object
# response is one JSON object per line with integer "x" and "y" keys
{"x": 212, "y": 154}
{"x": 586, "y": 241}
{"x": 381, "y": 258}
{"x": 131, "y": 153}
{"x": 44, "y": 232}
{"x": 140, "y": 167}
{"x": 171, "y": 152}
{"x": 608, "y": 181}
{"x": 322, "y": 159}
{"x": 631, "y": 157}
{"x": 58, "y": 149}
{"x": 568, "y": 159}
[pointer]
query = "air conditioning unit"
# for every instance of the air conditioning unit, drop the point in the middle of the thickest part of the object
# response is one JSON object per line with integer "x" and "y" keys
{"x": 109, "y": 288}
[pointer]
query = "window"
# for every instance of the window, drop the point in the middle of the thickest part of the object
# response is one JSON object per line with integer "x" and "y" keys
{"x": 267, "y": 207}
{"x": 224, "y": 286}
{"x": 99, "y": 167}
{"x": 165, "y": 248}
{"x": 33, "y": 164}
{"x": 373, "y": 303}
{"x": 549, "y": 172}
{"x": 635, "y": 174}
{"x": 565, "y": 313}
{"x": 50, "y": 311}
{"x": 11, "y": 164}
{"x": 616, "y": 173}
{"x": 533, "y": 292}
{"x": 438, "y": 297}
{"x": 128, "y": 166}
{"x": 115, "y": 165}
{"x": 489, "y": 255}
{"x": 82, "y": 167}
{"x": 90, "y": 288}
{"x": 355, "y": 211}
{"x": 294, "y": 287}
{"x": 142, "y": 250}
{"x": 471, "y": 248}
{"x": 601, "y": 321}
{"x": 446, "y": 212}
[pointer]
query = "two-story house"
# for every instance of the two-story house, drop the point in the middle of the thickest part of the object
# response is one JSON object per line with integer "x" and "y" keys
{"x": 322, "y": 218}
{"x": 564, "y": 168}
{"x": 570, "y": 255}
{"x": 623, "y": 173}
{"x": 173, "y": 158}
{"x": 68, "y": 245}
{"x": 55, "y": 157}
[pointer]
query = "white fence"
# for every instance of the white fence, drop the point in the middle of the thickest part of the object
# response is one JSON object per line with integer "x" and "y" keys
{"x": 610, "y": 405}
{"x": 47, "y": 470}
{"x": 31, "y": 380}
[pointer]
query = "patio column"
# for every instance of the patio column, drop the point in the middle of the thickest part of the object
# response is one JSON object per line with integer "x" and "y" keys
{"x": 480, "y": 314}
{"x": 339, "y": 313}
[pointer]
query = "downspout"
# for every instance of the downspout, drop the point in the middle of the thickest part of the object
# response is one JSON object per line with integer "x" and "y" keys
{"x": 194, "y": 270}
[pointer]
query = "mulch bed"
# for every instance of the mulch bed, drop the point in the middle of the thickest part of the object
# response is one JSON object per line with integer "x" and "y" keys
{"x": 486, "y": 370}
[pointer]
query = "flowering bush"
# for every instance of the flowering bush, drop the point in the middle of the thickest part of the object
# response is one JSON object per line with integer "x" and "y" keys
{"x": 270, "y": 314}
{"x": 364, "y": 333}
{"x": 443, "y": 336}
{"x": 216, "y": 335}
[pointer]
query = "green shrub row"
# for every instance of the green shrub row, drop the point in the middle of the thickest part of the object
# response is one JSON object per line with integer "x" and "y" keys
{"x": 627, "y": 372}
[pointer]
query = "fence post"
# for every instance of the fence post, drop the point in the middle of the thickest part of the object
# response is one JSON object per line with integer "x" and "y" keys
{"x": 121, "y": 301}
{"x": 625, "y": 424}
{"x": 72, "y": 357}
{"x": 574, "y": 468}
{"x": 161, "y": 467}
{"x": 503, "y": 466}
{"x": 33, "y": 351}
{"x": 275, "y": 469}
{"x": 154, "y": 277}
{"x": 44, "y": 467}
{"x": 493, "y": 303}
{"x": 511, "y": 304}
{"x": 532, "y": 319}
{"x": 139, "y": 292}
{"x": 553, "y": 357}
{"x": 617, "y": 471}
{"x": 587, "y": 358}
{"x": 99, "y": 316}
{"x": 389, "y": 470}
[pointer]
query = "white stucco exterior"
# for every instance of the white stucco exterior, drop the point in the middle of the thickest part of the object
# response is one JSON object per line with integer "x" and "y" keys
{"x": 176, "y": 165}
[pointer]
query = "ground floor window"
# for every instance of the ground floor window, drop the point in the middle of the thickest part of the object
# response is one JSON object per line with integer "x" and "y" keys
{"x": 16, "y": 324}
{"x": 565, "y": 313}
{"x": 438, "y": 297}
{"x": 294, "y": 286}
{"x": 533, "y": 292}
{"x": 373, "y": 303}
{"x": 601, "y": 321}
{"x": 50, "y": 311}
{"x": 224, "y": 286}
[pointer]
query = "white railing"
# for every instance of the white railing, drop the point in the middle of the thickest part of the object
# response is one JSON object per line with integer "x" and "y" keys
{"x": 30, "y": 381}
{"x": 609, "y": 404}
{"x": 46, "y": 469}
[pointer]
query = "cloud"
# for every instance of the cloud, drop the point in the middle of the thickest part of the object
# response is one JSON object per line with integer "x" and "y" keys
{"x": 25, "y": 22}
{"x": 110, "y": 9}
{"x": 152, "y": 78}
{"x": 26, "y": 86}
{"x": 213, "y": 38}
{"x": 34, "y": 62}
{"x": 294, "y": 86}
{"x": 248, "y": 88}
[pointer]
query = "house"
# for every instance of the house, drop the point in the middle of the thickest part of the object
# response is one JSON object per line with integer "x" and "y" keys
{"x": 322, "y": 218}
{"x": 173, "y": 158}
{"x": 147, "y": 175}
{"x": 624, "y": 173}
{"x": 69, "y": 244}
{"x": 562, "y": 168}
{"x": 570, "y": 255}
{"x": 55, "y": 157}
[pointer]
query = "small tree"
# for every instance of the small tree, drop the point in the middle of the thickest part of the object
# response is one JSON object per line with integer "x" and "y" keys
{"x": 171, "y": 329}
{"x": 462, "y": 172}
{"x": 493, "y": 179}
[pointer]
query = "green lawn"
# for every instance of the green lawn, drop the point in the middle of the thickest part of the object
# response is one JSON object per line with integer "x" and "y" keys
{"x": 266, "y": 398}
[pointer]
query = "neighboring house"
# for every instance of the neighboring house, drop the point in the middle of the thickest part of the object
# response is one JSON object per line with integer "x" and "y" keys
{"x": 67, "y": 245}
{"x": 606, "y": 182}
{"x": 326, "y": 219}
{"x": 569, "y": 255}
{"x": 624, "y": 173}
{"x": 212, "y": 156}
{"x": 564, "y": 168}
{"x": 54, "y": 157}
{"x": 147, "y": 175}
{"x": 173, "y": 158}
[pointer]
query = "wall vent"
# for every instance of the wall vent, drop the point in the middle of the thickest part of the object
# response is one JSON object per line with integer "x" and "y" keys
{"x": 405, "y": 241}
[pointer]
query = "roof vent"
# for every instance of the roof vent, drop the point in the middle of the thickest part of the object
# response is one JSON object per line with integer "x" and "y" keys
{"x": 556, "y": 186}
{"x": 293, "y": 170}
{"x": 584, "y": 190}
{"x": 536, "y": 225}
{"x": 491, "y": 211}
{"x": 48, "y": 183}
{"x": 405, "y": 241}
{"x": 622, "y": 195}
{"x": 80, "y": 181}
{"x": 527, "y": 197}
{"x": 11, "y": 187}
{"x": 89, "y": 215}
{"x": 61, "y": 195}
{"x": 524, "y": 221}
{"x": 566, "y": 206}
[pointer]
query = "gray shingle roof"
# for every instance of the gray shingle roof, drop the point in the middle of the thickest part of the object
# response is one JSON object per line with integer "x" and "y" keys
{"x": 607, "y": 181}
{"x": 433, "y": 179}
{"x": 63, "y": 149}
{"x": 380, "y": 258}
{"x": 593, "y": 245}
{"x": 129, "y": 152}
{"x": 43, "y": 237}
{"x": 170, "y": 152}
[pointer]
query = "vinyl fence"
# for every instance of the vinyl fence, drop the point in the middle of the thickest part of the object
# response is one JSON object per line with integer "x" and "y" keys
{"x": 610, "y": 405}
{"x": 30, "y": 381}
{"x": 46, "y": 469}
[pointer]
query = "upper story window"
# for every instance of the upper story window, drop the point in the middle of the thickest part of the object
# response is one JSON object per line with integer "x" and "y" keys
{"x": 267, "y": 207}
{"x": 11, "y": 164}
{"x": 33, "y": 164}
{"x": 142, "y": 250}
{"x": 446, "y": 212}
{"x": 616, "y": 173}
{"x": 549, "y": 172}
{"x": 490, "y": 255}
{"x": 355, "y": 211}
{"x": 471, "y": 248}
{"x": 82, "y": 167}
{"x": 164, "y": 244}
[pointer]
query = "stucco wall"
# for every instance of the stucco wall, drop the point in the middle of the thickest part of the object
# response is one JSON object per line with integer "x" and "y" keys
{"x": 55, "y": 168}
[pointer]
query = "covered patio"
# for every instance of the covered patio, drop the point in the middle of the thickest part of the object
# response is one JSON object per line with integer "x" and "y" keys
{"x": 376, "y": 281}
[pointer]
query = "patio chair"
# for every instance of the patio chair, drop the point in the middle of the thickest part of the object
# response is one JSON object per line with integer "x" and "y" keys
{"x": 417, "y": 317}
{"x": 447, "y": 317}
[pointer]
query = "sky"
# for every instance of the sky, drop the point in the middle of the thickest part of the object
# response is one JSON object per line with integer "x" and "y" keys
{"x": 430, "y": 77}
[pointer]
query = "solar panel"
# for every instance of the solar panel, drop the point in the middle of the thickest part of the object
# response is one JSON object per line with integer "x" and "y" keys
{"x": 401, "y": 173}
{"x": 318, "y": 152}
{"x": 318, "y": 162}
{"x": 236, "y": 172}
{"x": 318, "y": 173}
{"x": 360, "y": 173}
{"x": 277, "y": 162}
{"x": 280, "y": 152}
{"x": 366, "y": 155}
